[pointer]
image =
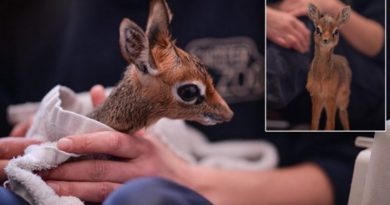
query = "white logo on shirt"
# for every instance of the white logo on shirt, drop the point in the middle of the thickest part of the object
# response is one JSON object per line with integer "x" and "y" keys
{"x": 236, "y": 64}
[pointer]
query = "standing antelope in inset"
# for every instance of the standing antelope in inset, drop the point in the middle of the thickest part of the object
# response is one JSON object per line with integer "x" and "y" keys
{"x": 161, "y": 80}
{"x": 329, "y": 77}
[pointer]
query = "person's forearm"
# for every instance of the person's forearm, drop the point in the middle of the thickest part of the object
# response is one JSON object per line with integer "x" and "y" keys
{"x": 365, "y": 35}
{"x": 300, "y": 185}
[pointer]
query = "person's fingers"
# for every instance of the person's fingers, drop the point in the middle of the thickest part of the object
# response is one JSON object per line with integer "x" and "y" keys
{"x": 86, "y": 191}
{"x": 295, "y": 7}
{"x": 94, "y": 171}
{"x": 286, "y": 7}
{"x": 108, "y": 142}
{"x": 301, "y": 35}
{"x": 293, "y": 42}
{"x": 304, "y": 31}
{"x": 281, "y": 42}
{"x": 14, "y": 146}
{"x": 290, "y": 5}
{"x": 98, "y": 95}
{"x": 21, "y": 129}
{"x": 301, "y": 11}
{"x": 3, "y": 164}
{"x": 297, "y": 41}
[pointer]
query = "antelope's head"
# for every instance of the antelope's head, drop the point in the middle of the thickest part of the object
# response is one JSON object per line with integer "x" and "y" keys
{"x": 327, "y": 33}
{"x": 174, "y": 81}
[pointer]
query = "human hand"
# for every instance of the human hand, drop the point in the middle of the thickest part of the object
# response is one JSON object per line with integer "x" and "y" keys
{"x": 20, "y": 129}
{"x": 299, "y": 7}
{"x": 11, "y": 147}
{"x": 93, "y": 180}
{"x": 287, "y": 31}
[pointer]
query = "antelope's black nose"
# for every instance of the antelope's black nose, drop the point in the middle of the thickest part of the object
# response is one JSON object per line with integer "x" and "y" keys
{"x": 325, "y": 41}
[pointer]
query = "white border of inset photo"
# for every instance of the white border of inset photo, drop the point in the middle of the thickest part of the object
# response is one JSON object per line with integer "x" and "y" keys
{"x": 285, "y": 123}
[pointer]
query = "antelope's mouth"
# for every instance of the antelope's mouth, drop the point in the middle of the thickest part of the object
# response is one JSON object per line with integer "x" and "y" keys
{"x": 327, "y": 45}
{"x": 211, "y": 119}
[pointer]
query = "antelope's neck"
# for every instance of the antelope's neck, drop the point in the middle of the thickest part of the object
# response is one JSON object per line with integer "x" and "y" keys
{"x": 323, "y": 60}
{"x": 125, "y": 109}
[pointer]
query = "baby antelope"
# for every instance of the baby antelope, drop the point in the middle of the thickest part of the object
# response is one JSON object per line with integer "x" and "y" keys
{"x": 161, "y": 80}
{"x": 329, "y": 77}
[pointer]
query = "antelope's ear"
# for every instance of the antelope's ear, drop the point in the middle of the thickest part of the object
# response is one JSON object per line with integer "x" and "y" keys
{"x": 313, "y": 13}
{"x": 344, "y": 15}
{"x": 134, "y": 47}
{"x": 159, "y": 19}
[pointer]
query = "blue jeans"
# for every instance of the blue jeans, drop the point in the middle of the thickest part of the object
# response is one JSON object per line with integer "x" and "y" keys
{"x": 148, "y": 190}
{"x": 9, "y": 198}
{"x": 154, "y": 191}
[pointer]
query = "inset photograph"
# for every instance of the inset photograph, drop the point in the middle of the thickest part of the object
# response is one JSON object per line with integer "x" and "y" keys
{"x": 325, "y": 65}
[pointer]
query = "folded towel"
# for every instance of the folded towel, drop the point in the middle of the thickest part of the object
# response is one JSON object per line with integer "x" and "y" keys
{"x": 62, "y": 113}
{"x": 56, "y": 117}
{"x": 192, "y": 145}
{"x": 30, "y": 186}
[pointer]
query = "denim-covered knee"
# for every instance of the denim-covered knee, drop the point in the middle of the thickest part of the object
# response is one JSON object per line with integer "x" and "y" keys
{"x": 154, "y": 191}
{"x": 9, "y": 198}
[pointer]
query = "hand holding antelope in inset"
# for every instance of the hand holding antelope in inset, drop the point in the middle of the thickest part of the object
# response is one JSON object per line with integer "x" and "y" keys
{"x": 329, "y": 77}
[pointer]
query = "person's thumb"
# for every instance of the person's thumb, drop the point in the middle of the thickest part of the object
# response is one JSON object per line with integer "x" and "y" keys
{"x": 98, "y": 95}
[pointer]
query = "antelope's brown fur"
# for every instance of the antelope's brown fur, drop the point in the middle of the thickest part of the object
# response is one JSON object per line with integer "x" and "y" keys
{"x": 156, "y": 65}
{"x": 329, "y": 76}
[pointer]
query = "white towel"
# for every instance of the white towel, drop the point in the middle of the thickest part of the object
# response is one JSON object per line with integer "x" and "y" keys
{"x": 56, "y": 118}
{"x": 192, "y": 145}
{"x": 61, "y": 113}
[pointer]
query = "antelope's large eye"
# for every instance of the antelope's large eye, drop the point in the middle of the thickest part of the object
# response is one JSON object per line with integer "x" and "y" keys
{"x": 318, "y": 30}
{"x": 188, "y": 92}
{"x": 336, "y": 32}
